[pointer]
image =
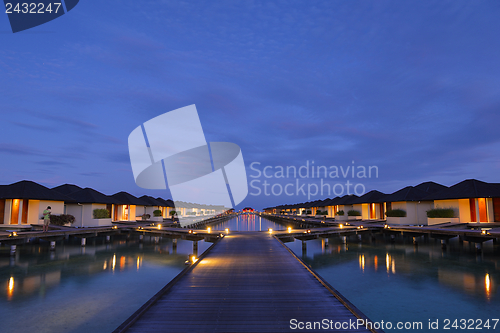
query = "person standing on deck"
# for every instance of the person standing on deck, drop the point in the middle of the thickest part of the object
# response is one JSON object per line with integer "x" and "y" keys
{"x": 46, "y": 219}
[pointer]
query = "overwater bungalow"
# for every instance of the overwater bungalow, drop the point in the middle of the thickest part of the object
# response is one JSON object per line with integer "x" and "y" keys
{"x": 344, "y": 204}
{"x": 152, "y": 205}
{"x": 410, "y": 200}
{"x": 127, "y": 210}
{"x": 85, "y": 202}
{"x": 368, "y": 206}
{"x": 472, "y": 201}
{"x": 23, "y": 203}
{"x": 168, "y": 205}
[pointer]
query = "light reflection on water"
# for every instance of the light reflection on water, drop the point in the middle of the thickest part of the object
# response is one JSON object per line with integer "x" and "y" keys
{"x": 404, "y": 282}
{"x": 80, "y": 289}
{"x": 248, "y": 222}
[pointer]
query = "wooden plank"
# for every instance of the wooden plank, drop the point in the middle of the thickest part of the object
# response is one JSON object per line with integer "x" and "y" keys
{"x": 248, "y": 282}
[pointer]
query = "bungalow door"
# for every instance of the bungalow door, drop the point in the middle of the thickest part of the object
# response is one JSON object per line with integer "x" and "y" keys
{"x": 14, "y": 216}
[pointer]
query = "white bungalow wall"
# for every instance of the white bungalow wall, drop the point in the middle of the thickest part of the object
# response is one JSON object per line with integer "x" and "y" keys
{"x": 35, "y": 210}
{"x": 416, "y": 212}
{"x": 84, "y": 214}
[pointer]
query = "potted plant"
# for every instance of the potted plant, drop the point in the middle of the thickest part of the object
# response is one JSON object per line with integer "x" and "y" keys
{"x": 62, "y": 220}
{"x": 340, "y": 215}
{"x": 441, "y": 215}
{"x": 157, "y": 216}
{"x": 101, "y": 216}
{"x": 173, "y": 213}
{"x": 396, "y": 216}
{"x": 353, "y": 214}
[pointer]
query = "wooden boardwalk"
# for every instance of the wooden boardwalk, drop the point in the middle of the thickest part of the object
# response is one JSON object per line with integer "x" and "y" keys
{"x": 248, "y": 282}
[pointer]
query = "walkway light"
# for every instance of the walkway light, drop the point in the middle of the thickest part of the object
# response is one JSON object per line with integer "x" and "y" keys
{"x": 341, "y": 226}
{"x": 13, "y": 234}
{"x": 270, "y": 230}
{"x": 308, "y": 231}
{"x": 227, "y": 230}
{"x": 190, "y": 231}
{"x": 115, "y": 227}
{"x": 209, "y": 229}
{"x": 289, "y": 229}
{"x": 159, "y": 226}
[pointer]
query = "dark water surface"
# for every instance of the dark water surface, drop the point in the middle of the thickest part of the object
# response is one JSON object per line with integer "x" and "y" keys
{"x": 84, "y": 289}
{"x": 401, "y": 282}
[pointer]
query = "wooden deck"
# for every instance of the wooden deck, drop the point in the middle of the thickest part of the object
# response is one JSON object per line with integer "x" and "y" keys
{"x": 248, "y": 282}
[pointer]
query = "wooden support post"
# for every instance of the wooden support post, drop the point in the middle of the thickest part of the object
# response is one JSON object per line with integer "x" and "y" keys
{"x": 344, "y": 239}
{"x": 415, "y": 240}
{"x": 108, "y": 239}
{"x": 141, "y": 238}
{"x": 195, "y": 248}
{"x": 52, "y": 246}
{"x": 479, "y": 247}
{"x": 443, "y": 244}
{"x": 13, "y": 250}
{"x": 84, "y": 241}
{"x": 359, "y": 238}
{"x": 326, "y": 241}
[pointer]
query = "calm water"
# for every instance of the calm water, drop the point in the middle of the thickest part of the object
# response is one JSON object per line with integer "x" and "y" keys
{"x": 248, "y": 222}
{"x": 77, "y": 289}
{"x": 97, "y": 287}
{"x": 400, "y": 282}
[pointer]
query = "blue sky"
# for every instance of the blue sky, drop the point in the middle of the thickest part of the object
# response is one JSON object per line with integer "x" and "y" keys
{"x": 411, "y": 87}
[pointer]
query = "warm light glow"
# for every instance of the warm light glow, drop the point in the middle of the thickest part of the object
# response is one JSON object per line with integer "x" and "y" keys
{"x": 113, "y": 263}
{"x": 362, "y": 262}
{"x": 13, "y": 233}
{"x": 209, "y": 230}
{"x": 487, "y": 285}
{"x": 159, "y": 226}
{"x": 393, "y": 267}
{"x": 387, "y": 262}
{"x": 190, "y": 231}
{"x": 270, "y": 230}
{"x": 483, "y": 232}
{"x": 115, "y": 227}
{"x": 138, "y": 263}
{"x": 308, "y": 231}
{"x": 10, "y": 288}
{"x": 227, "y": 230}
{"x": 105, "y": 265}
{"x": 341, "y": 226}
{"x": 122, "y": 262}
{"x": 193, "y": 259}
{"x": 375, "y": 262}
{"x": 289, "y": 229}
